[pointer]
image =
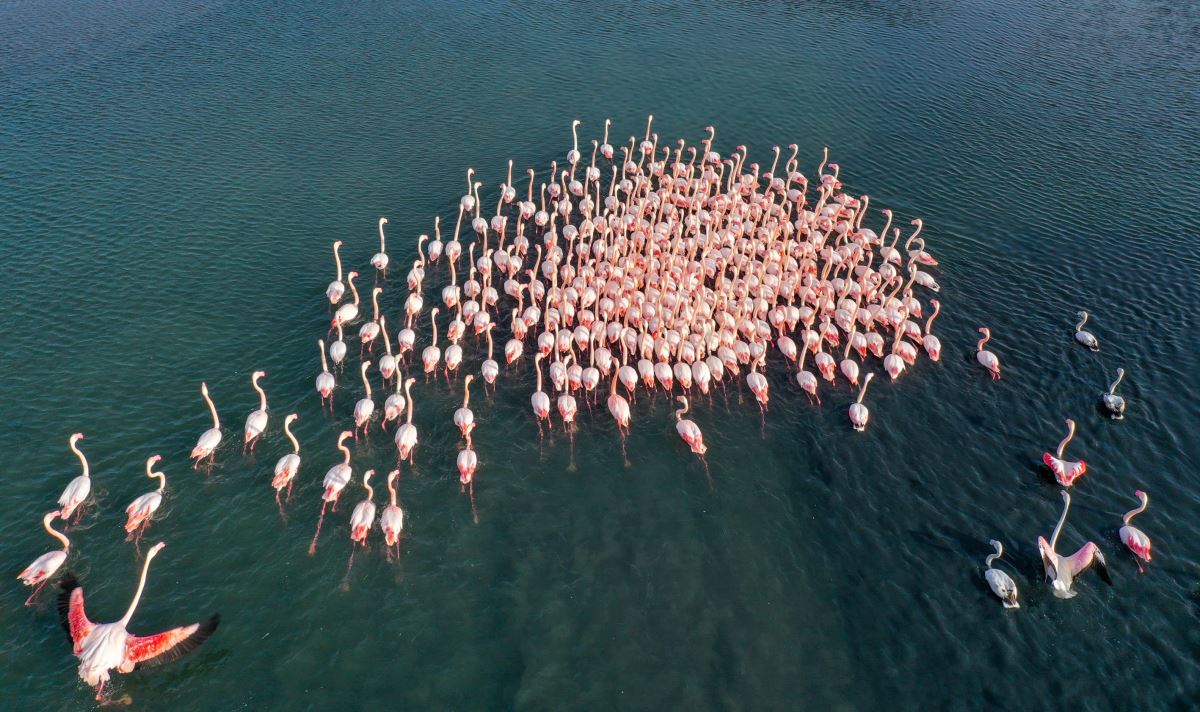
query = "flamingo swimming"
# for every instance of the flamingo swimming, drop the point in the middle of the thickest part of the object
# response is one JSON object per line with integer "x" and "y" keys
{"x": 77, "y": 491}
{"x": 859, "y": 414}
{"x": 347, "y": 313}
{"x": 102, "y": 647}
{"x": 406, "y": 434}
{"x": 688, "y": 430}
{"x": 337, "y": 349}
{"x": 365, "y": 407}
{"x": 1063, "y": 570}
{"x": 44, "y": 566}
{"x": 463, "y": 417}
{"x": 1085, "y": 338}
{"x": 392, "y": 519}
{"x": 256, "y": 422}
{"x": 289, "y": 464}
{"x": 363, "y": 516}
{"x": 1114, "y": 404}
{"x": 987, "y": 359}
{"x": 325, "y": 379}
{"x": 1001, "y": 583}
{"x": 393, "y": 407}
{"x": 380, "y": 260}
{"x": 206, "y": 445}
{"x": 336, "y": 479}
{"x": 432, "y": 354}
{"x": 1131, "y": 536}
{"x": 140, "y": 510}
{"x": 336, "y": 288}
{"x": 1065, "y": 471}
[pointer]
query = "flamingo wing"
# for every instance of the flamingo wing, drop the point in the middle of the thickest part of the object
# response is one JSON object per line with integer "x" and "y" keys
{"x": 1089, "y": 555}
{"x": 170, "y": 645}
{"x": 70, "y": 610}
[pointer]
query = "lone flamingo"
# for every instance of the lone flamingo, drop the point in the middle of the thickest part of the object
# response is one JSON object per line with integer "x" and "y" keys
{"x": 1135, "y": 538}
{"x": 77, "y": 491}
{"x": 987, "y": 359}
{"x": 859, "y": 414}
{"x": 1063, "y": 570}
{"x": 44, "y": 566}
{"x": 101, "y": 647}
{"x": 206, "y": 446}
{"x": 143, "y": 508}
{"x": 256, "y": 422}
{"x": 1065, "y": 471}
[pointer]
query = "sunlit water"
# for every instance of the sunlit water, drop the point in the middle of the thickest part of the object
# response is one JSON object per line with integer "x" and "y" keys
{"x": 170, "y": 181}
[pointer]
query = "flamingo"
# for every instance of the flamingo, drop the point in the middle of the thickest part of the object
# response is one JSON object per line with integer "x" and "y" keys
{"x": 432, "y": 354}
{"x": 363, "y": 515}
{"x": 102, "y": 647}
{"x": 1063, "y": 570}
{"x": 325, "y": 380}
{"x": 336, "y": 288}
{"x": 539, "y": 399}
{"x": 1085, "y": 338}
{"x": 337, "y": 349}
{"x": 347, "y": 313}
{"x": 406, "y": 434}
{"x": 393, "y": 407}
{"x": 365, "y": 407}
{"x": 463, "y": 417}
{"x": 336, "y": 479}
{"x": 380, "y": 260}
{"x": 45, "y": 566}
{"x": 256, "y": 422}
{"x": 467, "y": 462}
{"x": 688, "y": 430}
{"x": 289, "y": 464}
{"x": 387, "y": 362}
{"x": 1114, "y": 404}
{"x": 1135, "y": 538}
{"x": 369, "y": 331}
{"x": 392, "y": 519}
{"x": 933, "y": 345}
{"x": 490, "y": 369}
{"x": 618, "y": 406}
{"x": 1065, "y": 471}
{"x": 987, "y": 359}
{"x": 77, "y": 491}
{"x": 206, "y": 446}
{"x": 140, "y": 511}
{"x": 859, "y": 414}
{"x": 1001, "y": 583}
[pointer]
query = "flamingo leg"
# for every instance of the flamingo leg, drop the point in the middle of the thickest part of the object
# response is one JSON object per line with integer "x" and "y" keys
{"x": 29, "y": 601}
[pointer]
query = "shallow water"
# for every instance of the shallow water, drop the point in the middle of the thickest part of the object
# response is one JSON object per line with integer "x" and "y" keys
{"x": 171, "y": 179}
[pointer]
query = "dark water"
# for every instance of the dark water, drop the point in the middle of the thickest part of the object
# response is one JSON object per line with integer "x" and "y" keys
{"x": 170, "y": 181}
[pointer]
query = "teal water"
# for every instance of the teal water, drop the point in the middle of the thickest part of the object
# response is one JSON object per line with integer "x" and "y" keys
{"x": 170, "y": 181}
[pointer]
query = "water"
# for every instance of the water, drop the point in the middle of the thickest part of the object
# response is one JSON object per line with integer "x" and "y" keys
{"x": 171, "y": 178}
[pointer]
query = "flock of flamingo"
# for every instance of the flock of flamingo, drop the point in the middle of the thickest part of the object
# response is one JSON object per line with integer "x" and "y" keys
{"x": 648, "y": 267}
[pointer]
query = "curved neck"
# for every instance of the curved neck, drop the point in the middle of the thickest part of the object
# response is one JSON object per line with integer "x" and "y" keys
{"x": 345, "y": 450}
{"x": 350, "y": 281}
{"x": 56, "y": 534}
{"x": 287, "y": 428}
{"x": 680, "y": 412}
{"x": 162, "y": 480}
{"x": 1082, "y": 320}
{"x": 984, "y": 340}
{"x": 1136, "y": 511}
{"x": 82, "y": 459}
{"x": 1070, "y": 434}
{"x": 937, "y": 308}
{"x": 262, "y": 396}
{"x": 369, "y": 488}
{"x": 212, "y": 409}
{"x": 366, "y": 383}
{"x": 392, "y": 488}
{"x": 1113, "y": 388}
{"x": 1058, "y": 527}
{"x": 992, "y": 557}
{"x": 137, "y": 596}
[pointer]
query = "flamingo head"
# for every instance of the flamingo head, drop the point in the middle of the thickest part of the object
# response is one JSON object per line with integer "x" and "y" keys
{"x": 76, "y": 438}
{"x": 153, "y": 552}
{"x": 153, "y": 459}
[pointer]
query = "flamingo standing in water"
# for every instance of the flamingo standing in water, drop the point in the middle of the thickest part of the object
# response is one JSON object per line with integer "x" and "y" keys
{"x": 392, "y": 519}
{"x": 347, "y": 313}
{"x": 1085, "y": 338}
{"x": 365, "y": 407}
{"x": 77, "y": 491}
{"x": 363, "y": 516}
{"x": 432, "y": 354}
{"x": 539, "y": 399}
{"x": 369, "y": 331}
{"x": 380, "y": 260}
{"x": 336, "y": 479}
{"x": 337, "y": 349}
{"x": 140, "y": 511}
{"x": 406, "y": 434}
{"x": 336, "y": 288}
{"x": 44, "y": 566}
{"x": 859, "y": 414}
{"x": 325, "y": 380}
{"x": 463, "y": 417}
{"x": 393, "y": 407}
{"x": 1065, "y": 471}
{"x": 688, "y": 430}
{"x": 1063, "y": 570}
{"x": 387, "y": 362}
{"x": 987, "y": 359}
{"x": 490, "y": 369}
{"x": 1135, "y": 538}
{"x": 206, "y": 445}
{"x": 256, "y": 422}
{"x": 101, "y": 647}
{"x": 932, "y": 344}
{"x": 1001, "y": 583}
{"x": 289, "y": 464}
{"x": 1114, "y": 404}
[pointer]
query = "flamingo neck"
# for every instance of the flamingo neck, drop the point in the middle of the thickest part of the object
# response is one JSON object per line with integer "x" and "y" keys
{"x": 345, "y": 452}
{"x": 366, "y": 382}
{"x": 1136, "y": 511}
{"x": 382, "y": 245}
{"x": 212, "y": 409}
{"x": 137, "y": 596}
{"x": 408, "y": 398}
{"x": 287, "y": 428}
{"x": 324, "y": 363}
{"x": 338, "y": 259}
{"x": 162, "y": 480}
{"x": 353, "y": 291}
{"x": 1058, "y": 527}
{"x": 82, "y": 459}
{"x": 56, "y": 534}
{"x": 1070, "y": 434}
{"x": 262, "y": 395}
{"x": 1083, "y": 320}
{"x": 391, "y": 489}
{"x": 1113, "y": 388}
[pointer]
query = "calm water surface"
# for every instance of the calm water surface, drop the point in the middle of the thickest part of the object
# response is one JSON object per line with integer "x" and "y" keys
{"x": 171, "y": 176}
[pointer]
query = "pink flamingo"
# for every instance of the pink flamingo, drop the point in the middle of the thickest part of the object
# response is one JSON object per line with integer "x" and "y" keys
{"x": 347, "y": 313}
{"x": 325, "y": 380}
{"x": 859, "y": 414}
{"x": 44, "y": 566}
{"x": 463, "y": 417}
{"x": 140, "y": 511}
{"x": 256, "y": 422}
{"x": 987, "y": 359}
{"x": 933, "y": 345}
{"x": 1063, "y": 570}
{"x": 688, "y": 430}
{"x": 206, "y": 445}
{"x": 380, "y": 260}
{"x": 102, "y": 647}
{"x": 406, "y": 434}
{"x": 289, "y": 464}
{"x": 1135, "y": 538}
{"x": 361, "y": 519}
{"x": 1065, "y": 471}
{"x": 77, "y": 491}
{"x": 336, "y": 479}
{"x": 336, "y": 288}
{"x": 392, "y": 519}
